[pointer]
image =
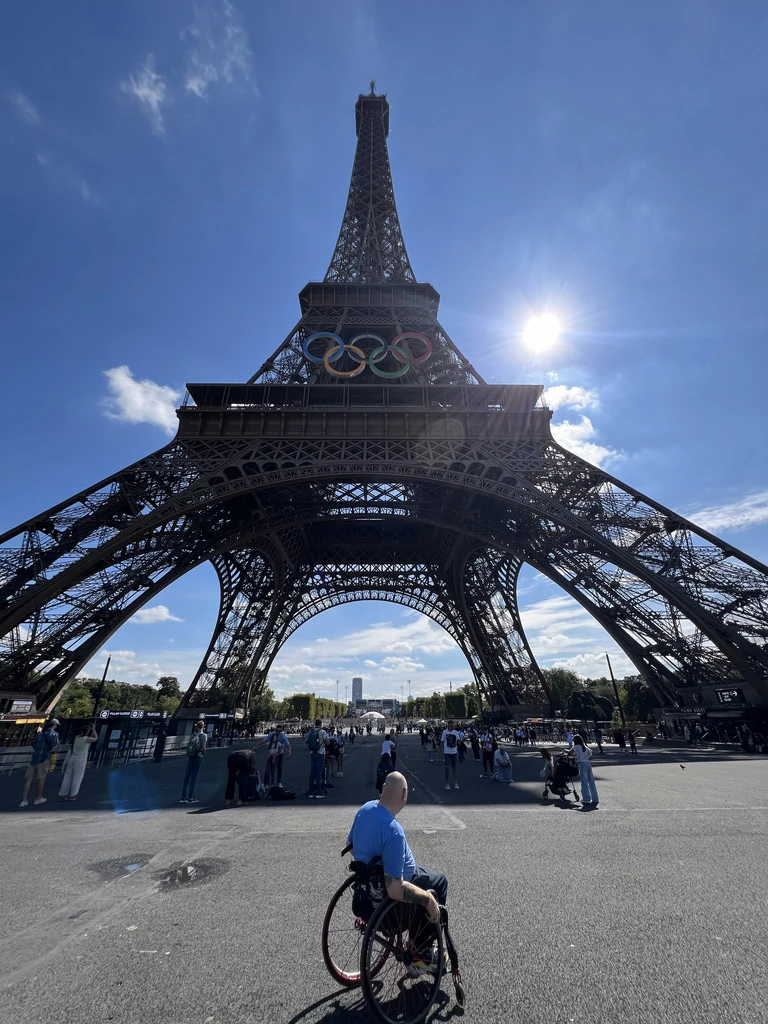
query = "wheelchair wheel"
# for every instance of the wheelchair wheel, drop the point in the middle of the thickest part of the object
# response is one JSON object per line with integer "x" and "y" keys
{"x": 401, "y": 963}
{"x": 342, "y": 938}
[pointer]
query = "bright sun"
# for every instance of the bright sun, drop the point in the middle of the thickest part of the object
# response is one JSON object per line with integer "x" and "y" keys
{"x": 541, "y": 332}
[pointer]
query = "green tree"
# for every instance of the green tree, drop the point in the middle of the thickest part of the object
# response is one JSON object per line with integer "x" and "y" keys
{"x": 455, "y": 706}
{"x": 583, "y": 704}
{"x": 637, "y": 699}
{"x": 77, "y": 701}
{"x": 168, "y": 686}
{"x": 562, "y": 682}
{"x": 264, "y": 707}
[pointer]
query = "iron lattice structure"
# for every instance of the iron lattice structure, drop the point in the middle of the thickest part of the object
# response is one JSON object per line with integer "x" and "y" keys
{"x": 359, "y": 465}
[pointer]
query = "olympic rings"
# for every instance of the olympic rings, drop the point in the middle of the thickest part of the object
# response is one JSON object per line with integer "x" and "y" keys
{"x": 339, "y": 347}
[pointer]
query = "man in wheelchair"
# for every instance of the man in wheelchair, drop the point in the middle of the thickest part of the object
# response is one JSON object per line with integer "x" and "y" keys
{"x": 376, "y": 832}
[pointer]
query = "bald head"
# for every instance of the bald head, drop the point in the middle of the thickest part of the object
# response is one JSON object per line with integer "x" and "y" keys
{"x": 394, "y": 792}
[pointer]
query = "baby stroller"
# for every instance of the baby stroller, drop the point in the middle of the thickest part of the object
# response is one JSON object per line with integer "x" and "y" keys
{"x": 558, "y": 777}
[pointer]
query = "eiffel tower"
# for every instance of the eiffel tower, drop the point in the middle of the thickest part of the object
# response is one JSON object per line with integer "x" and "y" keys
{"x": 367, "y": 459}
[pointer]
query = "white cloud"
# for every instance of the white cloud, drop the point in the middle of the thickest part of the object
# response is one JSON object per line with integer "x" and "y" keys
{"x": 24, "y": 107}
{"x": 157, "y": 613}
{"x": 87, "y": 194}
{"x": 399, "y": 665}
{"x": 140, "y": 401}
{"x": 370, "y": 664}
{"x": 747, "y": 511}
{"x": 150, "y": 90}
{"x": 577, "y": 438}
{"x": 562, "y": 396}
{"x": 219, "y": 50}
{"x": 592, "y": 665}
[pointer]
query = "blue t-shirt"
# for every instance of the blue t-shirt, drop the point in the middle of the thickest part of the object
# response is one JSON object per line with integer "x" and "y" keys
{"x": 376, "y": 832}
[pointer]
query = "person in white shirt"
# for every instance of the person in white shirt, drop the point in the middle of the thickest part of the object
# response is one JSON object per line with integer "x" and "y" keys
{"x": 450, "y": 741}
{"x": 583, "y": 756}
{"x": 388, "y": 747}
{"x": 503, "y": 766}
{"x": 487, "y": 741}
{"x": 74, "y": 769}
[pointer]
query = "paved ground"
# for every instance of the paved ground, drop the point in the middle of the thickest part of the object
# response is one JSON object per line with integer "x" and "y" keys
{"x": 651, "y": 909}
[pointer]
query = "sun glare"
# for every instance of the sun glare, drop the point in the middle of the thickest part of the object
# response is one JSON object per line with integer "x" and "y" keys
{"x": 541, "y": 332}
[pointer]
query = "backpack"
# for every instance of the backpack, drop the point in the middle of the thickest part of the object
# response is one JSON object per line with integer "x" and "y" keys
{"x": 276, "y": 793}
{"x": 313, "y": 741}
{"x": 193, "y": 747}
{"x": 450, "y": 741}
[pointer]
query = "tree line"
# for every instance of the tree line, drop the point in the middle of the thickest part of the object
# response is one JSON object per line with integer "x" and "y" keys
{"x": 573, "y": 697}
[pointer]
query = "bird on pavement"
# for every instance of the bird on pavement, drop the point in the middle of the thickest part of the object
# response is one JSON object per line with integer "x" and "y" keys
{"x": 682, "y": 766}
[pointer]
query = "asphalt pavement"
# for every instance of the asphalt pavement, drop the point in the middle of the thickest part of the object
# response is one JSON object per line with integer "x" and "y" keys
{"x": 129, "y": 907}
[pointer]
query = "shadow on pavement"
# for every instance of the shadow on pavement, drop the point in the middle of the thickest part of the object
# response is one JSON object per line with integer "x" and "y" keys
{"x": 350, "y": 1008}
{"x": 146, "y": 787}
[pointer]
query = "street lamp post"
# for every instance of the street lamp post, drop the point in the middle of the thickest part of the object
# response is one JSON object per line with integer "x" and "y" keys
{"x": 616, "y": 691}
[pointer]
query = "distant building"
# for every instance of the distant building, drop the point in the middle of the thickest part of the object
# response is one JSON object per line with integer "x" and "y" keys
{"x": 357, "y": 689}
{"x": 388, "y": 706}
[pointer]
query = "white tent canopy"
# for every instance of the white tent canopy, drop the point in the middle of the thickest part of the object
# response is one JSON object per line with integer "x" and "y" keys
{"x": 422, "y": 721}
{"x": 372, "y": 714}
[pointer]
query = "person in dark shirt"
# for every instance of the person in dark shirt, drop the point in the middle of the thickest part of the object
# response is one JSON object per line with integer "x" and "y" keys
{"x": 45, "y": 743}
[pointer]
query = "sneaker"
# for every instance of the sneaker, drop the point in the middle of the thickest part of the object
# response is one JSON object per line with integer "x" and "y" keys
{"x": 24, "y": 803}
{"x": 42, "y": 800}
{"x": 311, "y": 796}
{"x": 320, "y": 796}
{"x": 447, "y": 785}
{"x": 194, "y": 800}
{"x": 280, "y": 785}
{"x": 183, "y": 801}
{"x": 455, "y": 785}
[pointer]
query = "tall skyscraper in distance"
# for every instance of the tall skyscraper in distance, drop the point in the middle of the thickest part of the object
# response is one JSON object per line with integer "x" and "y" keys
{"x": 357, "y": 688}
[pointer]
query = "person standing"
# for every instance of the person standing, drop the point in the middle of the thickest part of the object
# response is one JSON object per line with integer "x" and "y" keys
{"x": 317, "y": 741}
{"x": 198, "y": 744}
{"x": 45, "y": 743}
{"x": 74, "y": 769}
{"x": 474, "y": 742}
{"x": 599, "y": 738}
{"x": 632, "y": 743}
{"x": 277, "y": 747}
{"x": 388, "y": 749}
{"x": 583, "y": 756}
{"x": 462, "y": 746}
{"x": 450, "y": 741}
{"x": 487, "y": 742}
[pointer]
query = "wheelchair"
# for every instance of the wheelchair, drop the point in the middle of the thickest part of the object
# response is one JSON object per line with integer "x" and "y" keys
{"x": 389, "y": 948}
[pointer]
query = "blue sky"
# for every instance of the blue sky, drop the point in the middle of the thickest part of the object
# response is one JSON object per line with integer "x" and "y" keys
{"x": 173, "y": 174}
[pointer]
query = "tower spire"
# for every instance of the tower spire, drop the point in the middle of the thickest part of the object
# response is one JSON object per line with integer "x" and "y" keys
{"x": 370, "y": 248}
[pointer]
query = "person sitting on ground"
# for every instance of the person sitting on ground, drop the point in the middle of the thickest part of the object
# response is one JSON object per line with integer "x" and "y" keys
{"x": 376, "y": 832}
{"x": 503, "y": 766}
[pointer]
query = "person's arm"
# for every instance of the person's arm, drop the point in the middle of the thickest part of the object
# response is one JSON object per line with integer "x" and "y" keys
{"x": 405, "y": 892}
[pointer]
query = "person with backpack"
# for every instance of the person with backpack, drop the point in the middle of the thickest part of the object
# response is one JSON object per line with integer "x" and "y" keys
{"x": 196, "y": 747}
{"x": 277, "y": 747}
{"x": 317, "y": 740}
{"x": 450, "y": 741}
